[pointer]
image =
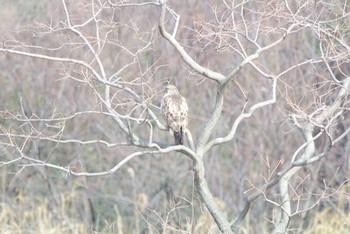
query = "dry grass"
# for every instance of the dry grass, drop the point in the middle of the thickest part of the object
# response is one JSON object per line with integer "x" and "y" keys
{"x": 332, "y": 219}
{"x": 23, "y": 214}
{"x": 329, "y": 221}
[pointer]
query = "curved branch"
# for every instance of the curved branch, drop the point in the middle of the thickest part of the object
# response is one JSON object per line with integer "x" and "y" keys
{"x": 211, "y": 123}
{"x": 36, "y": 162}
{"x": 207, "y": 198}
{"x": 257, "y": 53}
{"x": 57, "y": 59}
{"x": 186, "y": 58}
{"x": 243, "y": 116}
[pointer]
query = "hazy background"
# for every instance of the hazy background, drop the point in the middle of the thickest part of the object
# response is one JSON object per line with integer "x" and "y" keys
{"x": 152, "y": 190}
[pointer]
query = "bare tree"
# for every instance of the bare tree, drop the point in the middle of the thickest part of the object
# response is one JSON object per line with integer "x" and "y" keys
{"x": 276, "y": 76}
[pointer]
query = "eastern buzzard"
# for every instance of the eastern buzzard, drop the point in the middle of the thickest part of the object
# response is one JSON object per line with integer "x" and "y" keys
{"x": 175, "y": 111}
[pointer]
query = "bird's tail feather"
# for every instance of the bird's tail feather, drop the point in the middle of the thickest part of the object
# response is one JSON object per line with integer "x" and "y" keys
{"x": 179, "y": 137}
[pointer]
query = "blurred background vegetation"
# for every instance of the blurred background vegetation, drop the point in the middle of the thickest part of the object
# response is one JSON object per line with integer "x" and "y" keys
{"x": 154, "y": 193}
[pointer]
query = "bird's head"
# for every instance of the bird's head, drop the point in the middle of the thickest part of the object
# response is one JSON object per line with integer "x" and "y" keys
{"x": 171, "y": 89}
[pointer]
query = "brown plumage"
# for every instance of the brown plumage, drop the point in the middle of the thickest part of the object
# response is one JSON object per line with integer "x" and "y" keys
{"x": 175, "y": 112}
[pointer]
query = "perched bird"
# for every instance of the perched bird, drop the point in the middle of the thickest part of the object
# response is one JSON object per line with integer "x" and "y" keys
{"x": 175, "y": 112}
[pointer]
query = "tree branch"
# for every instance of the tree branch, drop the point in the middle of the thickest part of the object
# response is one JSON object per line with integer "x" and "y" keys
{"x": 310, "y": 149}
{"x": 186, "y": 58}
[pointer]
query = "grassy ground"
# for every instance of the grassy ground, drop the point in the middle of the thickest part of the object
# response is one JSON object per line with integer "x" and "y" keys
{"x": 37, "y": 214}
